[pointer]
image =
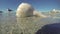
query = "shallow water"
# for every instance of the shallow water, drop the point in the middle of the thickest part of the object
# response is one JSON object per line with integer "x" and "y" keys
{"x": 10, "y": 24}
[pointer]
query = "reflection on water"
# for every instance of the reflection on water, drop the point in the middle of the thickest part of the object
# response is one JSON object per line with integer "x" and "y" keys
{"x": 10, "y": 24}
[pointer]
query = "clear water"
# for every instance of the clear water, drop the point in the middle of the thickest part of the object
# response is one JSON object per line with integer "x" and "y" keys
{"x": 10, "y": 24}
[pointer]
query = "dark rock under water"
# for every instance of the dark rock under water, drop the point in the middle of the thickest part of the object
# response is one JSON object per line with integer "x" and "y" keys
{"x": 50, "y": 29}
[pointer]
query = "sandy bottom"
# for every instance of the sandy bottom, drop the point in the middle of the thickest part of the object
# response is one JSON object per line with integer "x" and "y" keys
{"x": 10, "y": 24}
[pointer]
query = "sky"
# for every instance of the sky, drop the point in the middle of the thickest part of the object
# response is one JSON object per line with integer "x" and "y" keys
{"x": 40, "y": 5}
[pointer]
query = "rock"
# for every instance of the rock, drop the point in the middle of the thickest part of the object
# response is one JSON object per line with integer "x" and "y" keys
{"x": 24, "y": 9}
